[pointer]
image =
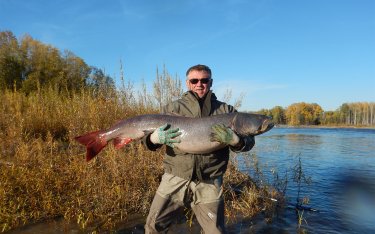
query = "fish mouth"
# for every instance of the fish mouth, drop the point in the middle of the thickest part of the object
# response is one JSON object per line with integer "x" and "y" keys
{"x": 267, "y": 125}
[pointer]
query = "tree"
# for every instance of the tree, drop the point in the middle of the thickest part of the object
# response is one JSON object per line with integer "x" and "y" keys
{"x": 11, "y": 66}
{"x": 278, "y": 115}
{"x": 303, "y": 113}
{"x": 291, "y": 113}
{"x": 99, "y": 81}
{"x": 357, "y": 113}
{"x": 345, "y": 114}
{"x": 42, "y": 64}
{"x": 317, "y": 113}
{"x": 75, "y": 72}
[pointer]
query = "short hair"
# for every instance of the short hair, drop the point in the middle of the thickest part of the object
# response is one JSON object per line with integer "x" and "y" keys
{"x": 199, "y": 67}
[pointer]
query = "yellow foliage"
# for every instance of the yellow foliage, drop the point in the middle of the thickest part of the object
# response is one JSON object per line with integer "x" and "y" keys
{"x": 43, "y": 172}
{"x": 303, "y": 114}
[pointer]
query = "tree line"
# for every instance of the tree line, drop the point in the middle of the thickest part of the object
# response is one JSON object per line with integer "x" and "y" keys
{"x": 356, "y": 113}
{"x": 28, "y": 65}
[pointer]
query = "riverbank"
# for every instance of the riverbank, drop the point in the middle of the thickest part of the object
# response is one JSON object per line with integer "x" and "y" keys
{"x": 324, "y": 126}
{"x": 242, "y": 198}
{"x": 44, "y": 174}
{"x": 135, "y": 225}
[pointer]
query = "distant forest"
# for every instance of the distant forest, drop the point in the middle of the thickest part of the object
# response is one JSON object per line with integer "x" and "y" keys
{"x": 348, "y": 114}
{"x": 28, "y": 65}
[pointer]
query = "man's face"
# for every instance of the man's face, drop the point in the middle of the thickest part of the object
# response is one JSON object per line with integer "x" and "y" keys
{"x": 199, "y": 82}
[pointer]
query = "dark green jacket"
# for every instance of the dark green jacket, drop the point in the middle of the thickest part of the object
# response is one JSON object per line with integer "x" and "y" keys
{"x": 198, "y": 166}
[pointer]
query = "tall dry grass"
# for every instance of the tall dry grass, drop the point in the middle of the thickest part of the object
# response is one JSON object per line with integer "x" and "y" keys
{"x": 44, "y": 175}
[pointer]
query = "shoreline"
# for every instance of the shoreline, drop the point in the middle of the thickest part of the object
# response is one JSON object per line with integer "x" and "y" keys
{"x": 325, "y": 126}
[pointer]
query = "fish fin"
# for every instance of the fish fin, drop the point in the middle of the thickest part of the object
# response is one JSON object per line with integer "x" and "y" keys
{"x": 93, "y": 142}
{"x": 119, "y": 142}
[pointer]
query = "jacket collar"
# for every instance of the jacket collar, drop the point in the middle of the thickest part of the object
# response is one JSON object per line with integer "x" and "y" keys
{"x": 204, "y": 102}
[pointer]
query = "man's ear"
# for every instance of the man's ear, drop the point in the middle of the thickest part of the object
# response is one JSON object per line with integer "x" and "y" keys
{"x": 211, "y": 82}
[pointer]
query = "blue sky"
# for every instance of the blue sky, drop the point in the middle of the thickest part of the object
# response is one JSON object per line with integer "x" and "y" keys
{"x": 275, "y": 52}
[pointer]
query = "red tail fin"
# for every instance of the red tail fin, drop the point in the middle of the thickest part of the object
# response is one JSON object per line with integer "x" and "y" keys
{"x": 120, "y": 142}
{"x": 93, "y": 142}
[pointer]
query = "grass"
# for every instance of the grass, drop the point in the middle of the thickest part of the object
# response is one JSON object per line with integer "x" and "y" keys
{"x": 44, "y": 175}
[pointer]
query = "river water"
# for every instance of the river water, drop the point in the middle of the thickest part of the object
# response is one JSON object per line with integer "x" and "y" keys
{"x": 341, "y": 165}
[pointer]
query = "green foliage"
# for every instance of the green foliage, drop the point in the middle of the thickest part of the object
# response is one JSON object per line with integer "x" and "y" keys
{"x": 29, "y": 65}
{"x": 357, "y": 113}
{"x": 99, "y": 82}
{"x": 10, "y": 62}
{"x": 277, "y": 113}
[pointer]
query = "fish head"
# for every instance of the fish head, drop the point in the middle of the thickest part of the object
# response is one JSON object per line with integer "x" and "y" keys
{"x": 247, "y": 124}
{"x": 267, "y": 125}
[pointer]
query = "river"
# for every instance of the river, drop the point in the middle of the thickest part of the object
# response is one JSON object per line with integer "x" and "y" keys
{"x": 341, "y": 165}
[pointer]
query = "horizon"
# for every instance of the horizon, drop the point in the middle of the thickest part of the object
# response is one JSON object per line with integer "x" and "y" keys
{"x": 277, "y": 53}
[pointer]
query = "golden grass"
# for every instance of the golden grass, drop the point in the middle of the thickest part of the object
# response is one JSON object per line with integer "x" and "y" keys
{"x": 44, "y": 175}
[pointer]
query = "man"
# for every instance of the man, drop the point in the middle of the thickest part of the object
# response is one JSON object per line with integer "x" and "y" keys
{"x": 198, "y": 174}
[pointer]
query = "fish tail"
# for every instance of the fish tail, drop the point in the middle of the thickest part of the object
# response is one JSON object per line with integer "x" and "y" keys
{"x": 93, "y": 142}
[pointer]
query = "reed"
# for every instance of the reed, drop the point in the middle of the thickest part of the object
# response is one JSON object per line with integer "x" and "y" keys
{"x": 44, "y": 175}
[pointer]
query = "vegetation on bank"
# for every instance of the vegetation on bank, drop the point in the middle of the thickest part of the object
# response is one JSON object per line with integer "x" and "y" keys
{"x": 349, "y": 114}
{"x": 44, "y": 175}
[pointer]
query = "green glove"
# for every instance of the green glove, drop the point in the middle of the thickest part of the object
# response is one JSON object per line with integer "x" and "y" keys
{"x": 165, "y": 135}
{"x": 223, "y": 134}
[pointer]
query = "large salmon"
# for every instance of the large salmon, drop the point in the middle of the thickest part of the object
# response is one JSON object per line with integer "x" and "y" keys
{"x": 195, "y": 137}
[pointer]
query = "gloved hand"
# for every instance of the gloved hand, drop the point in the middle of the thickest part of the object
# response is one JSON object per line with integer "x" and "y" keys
{"x": 163, "y": 135}
{"x": 223, "y": 134}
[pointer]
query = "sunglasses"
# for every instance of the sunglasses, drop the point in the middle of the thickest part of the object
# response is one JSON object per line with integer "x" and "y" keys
{"x": 203, "y": 80}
